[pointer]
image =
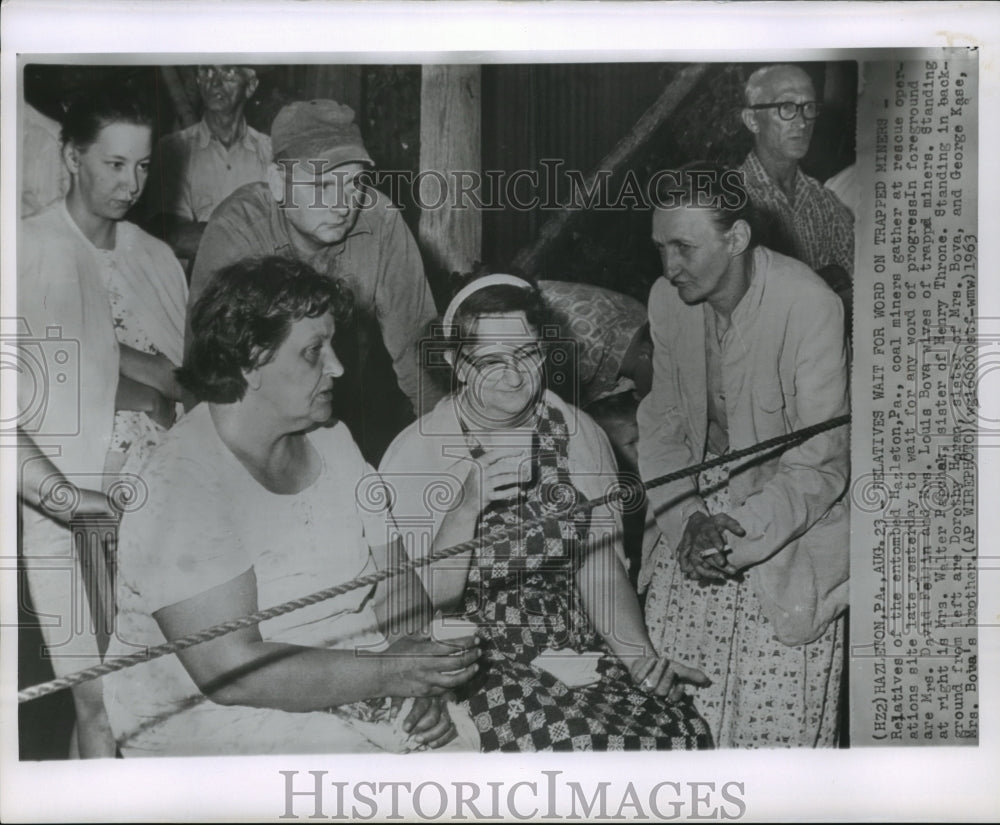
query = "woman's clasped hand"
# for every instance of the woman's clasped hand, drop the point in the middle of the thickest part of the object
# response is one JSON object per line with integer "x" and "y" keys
{"x": 421, "y": 666}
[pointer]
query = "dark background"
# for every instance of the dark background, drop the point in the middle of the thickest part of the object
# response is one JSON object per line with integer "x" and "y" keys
{"x": 575, "y": 113}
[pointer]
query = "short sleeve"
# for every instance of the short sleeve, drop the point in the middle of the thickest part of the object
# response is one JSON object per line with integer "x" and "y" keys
{"x": 180, "y": 542}
{"x": 356, "y": 490}
{"x": 373, "y": 502}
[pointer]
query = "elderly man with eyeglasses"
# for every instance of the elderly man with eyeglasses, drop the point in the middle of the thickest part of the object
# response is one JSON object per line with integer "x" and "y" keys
{"x": 800, "y": 217}
{"x": 197, "y": 168}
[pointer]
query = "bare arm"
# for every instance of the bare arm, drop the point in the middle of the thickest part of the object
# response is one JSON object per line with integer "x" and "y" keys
{"x": 43, "y": 486}
{"x": 447, "y": 578}
{"x": 613, "y": 608}
{"x": 611, "y": 603}
{"x": 242, "y": 669}
{"x": 156, "y": 371}
{"x": 494, "y": 477}
{"x": 133, "y": 395}
{"x": 401, "y": 603}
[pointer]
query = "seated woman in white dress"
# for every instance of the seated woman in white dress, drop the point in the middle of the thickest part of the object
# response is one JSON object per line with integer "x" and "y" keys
{"x": 253, "y": 500}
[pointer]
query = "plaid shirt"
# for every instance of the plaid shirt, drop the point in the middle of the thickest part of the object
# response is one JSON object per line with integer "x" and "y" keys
{"x": 816, "y": 227}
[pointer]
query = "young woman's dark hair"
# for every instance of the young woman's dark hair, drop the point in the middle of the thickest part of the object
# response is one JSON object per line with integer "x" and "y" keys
{"x": 97, "y": 108}
{"x": 245, "y": 314}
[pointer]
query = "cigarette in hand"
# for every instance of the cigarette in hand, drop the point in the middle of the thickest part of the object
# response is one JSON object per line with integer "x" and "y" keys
{"x": 715, "y": 558}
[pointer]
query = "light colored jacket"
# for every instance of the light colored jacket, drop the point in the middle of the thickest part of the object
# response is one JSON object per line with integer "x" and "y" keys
{"x": 784, "y": 367}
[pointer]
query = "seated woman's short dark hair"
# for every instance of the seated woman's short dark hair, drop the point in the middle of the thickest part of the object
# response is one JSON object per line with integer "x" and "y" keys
{"x": 499, "y": 299}
{"x": 245, "y": 314}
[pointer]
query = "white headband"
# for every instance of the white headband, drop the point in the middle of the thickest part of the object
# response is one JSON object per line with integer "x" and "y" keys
{"x": 497, "y": 279}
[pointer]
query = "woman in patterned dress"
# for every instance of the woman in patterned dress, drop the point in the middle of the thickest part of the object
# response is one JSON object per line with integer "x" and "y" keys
{"x": 749, "y": 579}
{"x": 567, "y": 663}
{"x": 107, "y": 137}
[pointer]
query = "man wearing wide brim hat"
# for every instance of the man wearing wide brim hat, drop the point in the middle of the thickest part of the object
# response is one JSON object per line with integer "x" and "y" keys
{"x": 315, "y": 207}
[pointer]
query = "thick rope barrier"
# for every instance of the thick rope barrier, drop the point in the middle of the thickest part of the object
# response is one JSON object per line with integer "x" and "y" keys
{"x": 224, "y": 628}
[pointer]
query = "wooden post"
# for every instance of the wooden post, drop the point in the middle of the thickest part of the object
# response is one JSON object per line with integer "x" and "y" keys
{"x": 183, "y": 105}
{"x": 450, "y": 232}
{"x": 529, "y": 258}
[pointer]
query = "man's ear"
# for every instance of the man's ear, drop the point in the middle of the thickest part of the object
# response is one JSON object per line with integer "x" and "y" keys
{"x": 749, "y": 117}
{"x": 739, "y": 237}
{"x": 276, "y": 182}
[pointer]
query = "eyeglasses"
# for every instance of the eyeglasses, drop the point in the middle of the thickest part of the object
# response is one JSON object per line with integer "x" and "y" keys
{"x": 788, "y": 109}
{"x": 529, "y": 356}
{"x": 224, "y": 73}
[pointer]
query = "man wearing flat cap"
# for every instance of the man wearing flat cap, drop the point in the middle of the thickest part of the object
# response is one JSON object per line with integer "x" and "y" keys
{"x": 195, "y": 169}
{"x": 800, "y": 217}
{"x": 314, "y": 207}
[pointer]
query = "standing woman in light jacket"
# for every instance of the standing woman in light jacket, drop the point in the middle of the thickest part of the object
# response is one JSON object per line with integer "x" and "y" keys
{"x": 115, "y": 298}
{"x": 748, "y": 581}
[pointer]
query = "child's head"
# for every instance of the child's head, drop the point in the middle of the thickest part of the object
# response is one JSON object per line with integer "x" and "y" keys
{"x": 615, "y": 414}
{"x": 637, "y": 363}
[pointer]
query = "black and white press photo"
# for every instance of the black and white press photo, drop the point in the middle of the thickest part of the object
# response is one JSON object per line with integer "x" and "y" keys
{"x": 379, "y": 413}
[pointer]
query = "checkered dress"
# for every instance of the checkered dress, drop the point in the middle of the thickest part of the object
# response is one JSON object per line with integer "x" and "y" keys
{"x": 522, "y": 594}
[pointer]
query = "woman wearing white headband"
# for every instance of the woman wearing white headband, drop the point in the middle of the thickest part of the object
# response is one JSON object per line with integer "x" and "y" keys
{"x": 567, "y": 663}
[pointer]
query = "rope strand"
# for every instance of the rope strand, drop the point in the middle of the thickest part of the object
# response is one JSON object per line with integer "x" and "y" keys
{"x": 121, "y": 663}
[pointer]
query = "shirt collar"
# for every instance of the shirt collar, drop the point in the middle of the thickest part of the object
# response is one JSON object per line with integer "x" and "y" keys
{"x": 757, "y": 170}
{"x": 750, "y": 302}
{"x": 204, "y": 135}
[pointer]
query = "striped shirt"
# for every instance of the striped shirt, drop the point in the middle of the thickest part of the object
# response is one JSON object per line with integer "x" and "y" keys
{"x": 815, "y": 227}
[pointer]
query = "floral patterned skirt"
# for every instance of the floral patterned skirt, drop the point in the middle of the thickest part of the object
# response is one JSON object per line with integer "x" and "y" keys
{"x": 763, "y": 693}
